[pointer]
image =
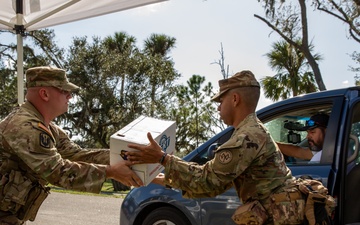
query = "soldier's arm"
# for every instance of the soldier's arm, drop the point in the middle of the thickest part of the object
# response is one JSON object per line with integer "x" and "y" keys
{"x": 196, "y": 180}
{"x": 69, "y": 150}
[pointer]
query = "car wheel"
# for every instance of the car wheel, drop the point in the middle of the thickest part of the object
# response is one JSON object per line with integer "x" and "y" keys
{"x": 119, "y": 186}
{"x": 165, "y": 216}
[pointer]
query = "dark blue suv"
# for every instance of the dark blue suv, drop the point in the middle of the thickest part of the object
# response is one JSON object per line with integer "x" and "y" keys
{"x": 338, "y": 168}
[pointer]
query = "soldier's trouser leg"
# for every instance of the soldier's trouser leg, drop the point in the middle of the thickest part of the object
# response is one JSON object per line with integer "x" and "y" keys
{"x": 6, "y": 219}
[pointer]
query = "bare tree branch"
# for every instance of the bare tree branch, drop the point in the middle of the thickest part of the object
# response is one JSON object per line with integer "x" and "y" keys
{"x": 286, "y": 24}
{"x": 221, "y": 63}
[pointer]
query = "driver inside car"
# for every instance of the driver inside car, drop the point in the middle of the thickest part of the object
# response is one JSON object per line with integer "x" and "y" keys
{"x": 316, "y": 129}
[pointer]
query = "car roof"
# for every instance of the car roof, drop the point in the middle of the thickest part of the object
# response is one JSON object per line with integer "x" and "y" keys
{"x": 309, "y": 97}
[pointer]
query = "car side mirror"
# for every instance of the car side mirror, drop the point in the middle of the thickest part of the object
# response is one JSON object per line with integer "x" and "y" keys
{"x": 211, "y": 150}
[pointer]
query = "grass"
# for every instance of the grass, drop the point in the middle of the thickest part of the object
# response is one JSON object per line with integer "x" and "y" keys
{"x": 107, "y": 190}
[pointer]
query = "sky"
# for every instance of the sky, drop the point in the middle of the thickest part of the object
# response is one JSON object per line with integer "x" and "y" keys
{"x": 200, "y": 27}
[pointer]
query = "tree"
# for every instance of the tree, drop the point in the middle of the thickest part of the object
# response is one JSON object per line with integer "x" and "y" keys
{"x": 193, "y": 114}
{"x": 346, "y": 11}
{"x": 119, "y": 77}
{"x": 50, "y": 54}
{"x": 356, "y": 57}
{"x": 289, "y": 21}
{"x": 121, "y": 48}
{"x": 8, "y": 90}
{"x": 161, "y": 70}
{"x": 98, "y": 111}
{"x": 88, "y": 115}
{"x": 293, "y": 77}
{"x": 39, "y": 48}
{"x": 92, "y": 114}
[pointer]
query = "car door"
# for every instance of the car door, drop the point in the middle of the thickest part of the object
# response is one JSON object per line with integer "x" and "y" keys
{"x": 348, "y": 211}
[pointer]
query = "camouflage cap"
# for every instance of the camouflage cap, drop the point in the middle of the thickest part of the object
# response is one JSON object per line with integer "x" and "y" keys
{"x": 45, "y": 76}
{"x": 244, "y": 78}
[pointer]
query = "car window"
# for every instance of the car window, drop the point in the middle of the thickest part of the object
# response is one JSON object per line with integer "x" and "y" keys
{"x": 284, "y": 128}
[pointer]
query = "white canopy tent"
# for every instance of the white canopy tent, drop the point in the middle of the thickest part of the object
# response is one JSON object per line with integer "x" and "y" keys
{"x": 27, "y": 15}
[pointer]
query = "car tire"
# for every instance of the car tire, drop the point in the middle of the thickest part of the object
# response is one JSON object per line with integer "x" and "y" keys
{"x": 119, "y": 186}
{"x": 165, "y": 216}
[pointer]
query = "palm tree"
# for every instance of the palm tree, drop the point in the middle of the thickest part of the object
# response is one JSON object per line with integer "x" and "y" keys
{"x": 159, "y": 44}
{"x": 157, "y": 47}
{"x": 293, "y": 77}
{"x": 123, "y": 47}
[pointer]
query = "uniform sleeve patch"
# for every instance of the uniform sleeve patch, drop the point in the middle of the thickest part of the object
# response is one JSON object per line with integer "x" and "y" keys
{"x": 225, "y": 156}
{"x": 45, "y": 140}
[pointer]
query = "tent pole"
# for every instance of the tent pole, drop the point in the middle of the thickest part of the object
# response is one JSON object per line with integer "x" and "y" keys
{"x": 19, "y": 28}
{"x": 20, "y": 69}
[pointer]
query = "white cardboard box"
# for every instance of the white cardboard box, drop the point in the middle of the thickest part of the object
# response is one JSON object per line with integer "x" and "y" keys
{"x": 163, "y": 133}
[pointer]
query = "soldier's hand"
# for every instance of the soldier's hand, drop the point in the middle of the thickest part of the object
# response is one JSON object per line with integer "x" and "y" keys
{"x": 159, "y": 179}
{"x": 150, "y": 153}
{"x": 122, "y": 172}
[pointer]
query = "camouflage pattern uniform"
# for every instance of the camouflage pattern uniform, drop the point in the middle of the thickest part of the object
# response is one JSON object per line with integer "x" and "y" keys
{"x": 46, "y": 155}
{"x": 250, "y": 161}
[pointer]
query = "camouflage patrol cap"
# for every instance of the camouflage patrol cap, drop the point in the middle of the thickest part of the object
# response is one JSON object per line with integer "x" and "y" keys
{"x": 45, "y": 76}
{"x": 244, "y": 78}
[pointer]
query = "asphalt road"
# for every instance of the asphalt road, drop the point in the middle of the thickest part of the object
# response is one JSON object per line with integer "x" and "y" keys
{"x": 65, "y": 209}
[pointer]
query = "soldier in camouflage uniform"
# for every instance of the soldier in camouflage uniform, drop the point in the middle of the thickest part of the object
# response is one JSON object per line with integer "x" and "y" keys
{"x": 34, "y": 151}
{"x": 250, "y": 161}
